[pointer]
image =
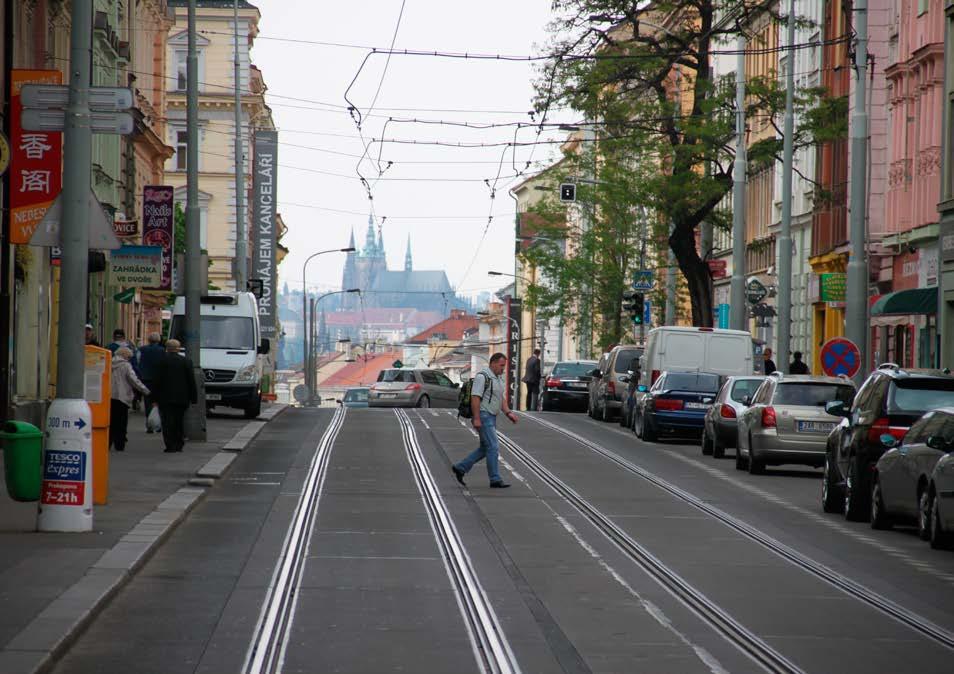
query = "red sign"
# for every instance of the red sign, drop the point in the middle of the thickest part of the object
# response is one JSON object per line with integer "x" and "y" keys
{"x": 840, "y": 356}
{"x": 60, "y": 492}
{"x": 158, "y": 227}
{"x": 717, "y": 268}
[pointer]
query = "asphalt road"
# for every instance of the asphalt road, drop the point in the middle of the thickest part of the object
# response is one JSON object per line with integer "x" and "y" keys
{"x": 342, "y": 542}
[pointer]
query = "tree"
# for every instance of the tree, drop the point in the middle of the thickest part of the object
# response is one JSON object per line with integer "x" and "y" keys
{"x": 642, "y": 74}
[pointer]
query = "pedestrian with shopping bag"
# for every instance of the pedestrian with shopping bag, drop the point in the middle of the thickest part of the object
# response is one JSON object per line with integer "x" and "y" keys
{"x": 123, "y": 383}
{"x": 150, "y": 359}
{"x": 175, "y": 391}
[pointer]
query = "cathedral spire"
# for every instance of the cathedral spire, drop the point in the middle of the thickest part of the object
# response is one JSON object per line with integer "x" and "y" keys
{"x": 407, "y": 255}
{"x": 369, "y": 243}
{"x": 380, "y": 241}
{"x": 351, "y": 242}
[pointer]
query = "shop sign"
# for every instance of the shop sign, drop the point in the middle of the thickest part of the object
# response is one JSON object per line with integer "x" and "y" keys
{"x": 832, "y": 286}
{"x": 158, "y": 228}
{"x": 136, "y": 266}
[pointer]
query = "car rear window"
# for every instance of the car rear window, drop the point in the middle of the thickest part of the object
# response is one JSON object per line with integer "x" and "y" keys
{"x": 811, "y": 394}
{"x": 405, "y": 376}
{"x": 624, "y": 359}
{"x": 356, "y": 395}
{"x": 573, "y": 369}
{"x": 916, "y": 396}
{"x": 744, "y": 387}
{"x": 690, "y": 381}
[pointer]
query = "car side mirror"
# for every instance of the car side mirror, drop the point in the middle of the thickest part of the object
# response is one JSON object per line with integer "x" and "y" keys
{"x": 939, "y": 443}
{"x": 596, "y": 374}
{"x": 338, "y": 400}
{"x": 890, "y": 441}
{"x": 624, "y": 379}
{"x": 836, "y": 408}
{"x": 264, "y": 347}
{"x": 642, "y": 388}
{"x": 454, "y": 384}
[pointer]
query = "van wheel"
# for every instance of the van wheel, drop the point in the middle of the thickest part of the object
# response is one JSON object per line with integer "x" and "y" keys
{"x": 254, "y": 408}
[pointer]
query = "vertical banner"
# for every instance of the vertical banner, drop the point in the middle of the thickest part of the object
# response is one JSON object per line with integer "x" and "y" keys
{"x": 514, "y": 310}
{"x": 158, "y": 227}
{"x": 36, "y": 161}
{"x": 264, "y": 238}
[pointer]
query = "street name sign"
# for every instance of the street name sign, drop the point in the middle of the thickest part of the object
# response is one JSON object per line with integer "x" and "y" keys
{"x": 46, "y": 96}
{"x": 120, "y": 123}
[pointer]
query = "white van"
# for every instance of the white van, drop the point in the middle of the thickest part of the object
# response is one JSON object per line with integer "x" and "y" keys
{"x": 682, "y": 349}
{"x": 231, "y": 343}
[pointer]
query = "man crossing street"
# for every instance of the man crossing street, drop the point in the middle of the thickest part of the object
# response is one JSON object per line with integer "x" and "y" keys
{"x": 531, "y": 377}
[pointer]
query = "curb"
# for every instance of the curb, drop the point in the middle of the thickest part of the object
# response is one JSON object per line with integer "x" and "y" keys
{"x": 38, "y": 645}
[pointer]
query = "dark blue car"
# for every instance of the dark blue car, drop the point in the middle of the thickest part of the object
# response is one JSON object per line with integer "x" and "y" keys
{"x": 676, "y": 404}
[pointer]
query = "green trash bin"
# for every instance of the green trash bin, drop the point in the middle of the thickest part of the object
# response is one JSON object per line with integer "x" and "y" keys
{"x": 22, "y": 459}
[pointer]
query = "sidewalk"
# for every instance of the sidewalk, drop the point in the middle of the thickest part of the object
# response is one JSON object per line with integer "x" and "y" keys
{"x": 51, "y": 584}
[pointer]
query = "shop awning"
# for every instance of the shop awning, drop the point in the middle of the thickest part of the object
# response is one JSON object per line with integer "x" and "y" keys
{"x": 914, "y": 301}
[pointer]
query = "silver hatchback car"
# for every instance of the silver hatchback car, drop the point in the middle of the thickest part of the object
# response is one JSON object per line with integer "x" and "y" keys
{"x": 786, "y": 421}
{"x": 413, "y": 388}
{"x": 721, "y": 426}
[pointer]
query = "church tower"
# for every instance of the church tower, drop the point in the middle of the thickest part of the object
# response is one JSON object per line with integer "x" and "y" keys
{"x": 349, "y": 278}
{"x": 407, "y": 255}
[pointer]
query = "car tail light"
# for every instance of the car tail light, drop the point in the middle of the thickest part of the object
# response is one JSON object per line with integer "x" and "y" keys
{"x": 768, "y": 417}
{"x": 611, "y": 388}
{"x": 882, "y": 426}
{"x": 727, "y": 411}
{"x": 668, "y": 404}
{"x": 553, "y": 382}
{"x": 412, "y": 387}
{"x": 654, "y": 376}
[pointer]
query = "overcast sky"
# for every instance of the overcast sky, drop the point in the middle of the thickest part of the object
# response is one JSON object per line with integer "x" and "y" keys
{"x": 446, "y": 220}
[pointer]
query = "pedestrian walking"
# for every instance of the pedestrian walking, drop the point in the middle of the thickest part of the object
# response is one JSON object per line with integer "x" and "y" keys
{"x": 769, "y": 363}
{"x": 150, "y": 359}
{"x": 175, "y": 391}
{"x": 531, "y": 377}
{"x": 797, "y": 366}
{"x": 487, "y": 400}
{"x": 123, "y": 383}
{"x": 91, "y": 336}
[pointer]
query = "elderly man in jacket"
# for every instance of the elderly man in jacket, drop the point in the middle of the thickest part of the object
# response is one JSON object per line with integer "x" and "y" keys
{"x": 174, "y": 390}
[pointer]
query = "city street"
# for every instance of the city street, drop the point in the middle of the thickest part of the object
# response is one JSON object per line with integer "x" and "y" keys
{"x": 340, "y": 541}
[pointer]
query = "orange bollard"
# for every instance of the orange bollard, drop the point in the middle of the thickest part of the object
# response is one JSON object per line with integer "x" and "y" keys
{"x": 97, "y": 391}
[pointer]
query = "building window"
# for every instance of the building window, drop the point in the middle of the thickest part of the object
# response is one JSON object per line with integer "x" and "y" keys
{"x": 182, "y": 146}
{"x": 922, "y": 7}
{"x": 181, "y": 70}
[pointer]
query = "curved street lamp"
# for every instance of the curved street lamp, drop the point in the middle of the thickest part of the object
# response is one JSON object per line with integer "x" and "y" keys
{"x": 304, "y": 300}
{"x": 309, "y": 363}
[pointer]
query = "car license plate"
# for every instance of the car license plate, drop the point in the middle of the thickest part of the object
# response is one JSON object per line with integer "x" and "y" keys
{"x": 814, "y": 427}
{"x": 696, "y": 406}
{"x": 388, "y": 395}
{"x": 213, "y": 396}
{"x": 576, "y": 384}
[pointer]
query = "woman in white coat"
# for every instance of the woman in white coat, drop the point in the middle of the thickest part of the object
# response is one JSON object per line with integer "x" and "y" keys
{"x": 124, "y": 384}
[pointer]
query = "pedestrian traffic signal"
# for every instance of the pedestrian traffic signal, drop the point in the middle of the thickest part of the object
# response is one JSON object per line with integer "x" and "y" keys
{"x": 633, "y": 304}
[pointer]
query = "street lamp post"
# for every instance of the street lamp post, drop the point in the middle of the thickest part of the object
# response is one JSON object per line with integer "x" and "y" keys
{"x": 306, "y": 352}
{"x": 309, "y": 373}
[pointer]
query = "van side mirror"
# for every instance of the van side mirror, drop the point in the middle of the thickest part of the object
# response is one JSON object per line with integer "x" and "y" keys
{"x": 836, "y": 408}
{"x": 264, "y": 347}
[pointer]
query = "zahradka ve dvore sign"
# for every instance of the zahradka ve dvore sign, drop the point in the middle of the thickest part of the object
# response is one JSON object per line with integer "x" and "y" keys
{"x": 265, "y": 181}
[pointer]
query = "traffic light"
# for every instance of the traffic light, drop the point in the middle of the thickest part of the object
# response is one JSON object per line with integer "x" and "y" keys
{"x": 633, "y": 303}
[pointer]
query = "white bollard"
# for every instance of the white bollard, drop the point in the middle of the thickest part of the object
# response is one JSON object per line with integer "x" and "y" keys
{"x": 66, "y": 499}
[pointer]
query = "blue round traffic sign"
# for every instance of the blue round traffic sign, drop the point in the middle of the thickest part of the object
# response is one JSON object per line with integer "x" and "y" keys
{"x": 840, "y": 356}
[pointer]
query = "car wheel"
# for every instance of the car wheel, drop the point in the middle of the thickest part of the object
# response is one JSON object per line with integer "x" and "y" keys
{"x": 424, "y": 402}
{"x": 940, "y": 539}
{"x": 706, "y": 445}
{"x": 756, "y": 465}
{"x": 718, "y": 449}
{"x": 649, "y": 433}
{"x": 606, "y": 415}
{"x": 831, "y": 496}
{"x": 856, "y": 492}
{"x": 879, "y": 518}
{"x": 545, "y": 406}
{"x": 740, "y": 461}
{"x": 623, "y": 421}
{"x": 924, "y": 515}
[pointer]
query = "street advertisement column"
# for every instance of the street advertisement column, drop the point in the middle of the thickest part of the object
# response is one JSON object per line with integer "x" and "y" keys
{"x": 514, "y": 309}
{"x": 264, "y": 236}
{"x": 158, "y": 228}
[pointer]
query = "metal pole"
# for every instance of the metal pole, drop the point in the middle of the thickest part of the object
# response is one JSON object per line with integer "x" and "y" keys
{"x": 856, "y": 298}
{"x": 784, "y": 245}
{"x": 642, "y": 265}
{"x": 241, "y": 234}
{"x": 737, "y": 287}
{"x": 670, "y": 282}
{"x": 312, "y": 353}
{"x": 305, "y": 353}
{"x": 195, "y": 415}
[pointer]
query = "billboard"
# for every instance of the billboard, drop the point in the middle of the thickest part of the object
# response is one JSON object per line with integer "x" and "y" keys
{"x": 264, "y": 236}
{"x": 158, "y": 228}
{"x": 36, "y": 174}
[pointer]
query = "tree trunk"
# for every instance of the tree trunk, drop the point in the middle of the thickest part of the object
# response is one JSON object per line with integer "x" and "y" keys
{"x": 697, "y": 275}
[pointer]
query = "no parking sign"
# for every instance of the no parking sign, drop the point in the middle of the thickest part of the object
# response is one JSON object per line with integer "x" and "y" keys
{"x": 840, "y": 356}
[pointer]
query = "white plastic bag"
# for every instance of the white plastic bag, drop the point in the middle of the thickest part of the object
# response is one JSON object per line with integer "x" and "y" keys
{"x": 153, "y": 422}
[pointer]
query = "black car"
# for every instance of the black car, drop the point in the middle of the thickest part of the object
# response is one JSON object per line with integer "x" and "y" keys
{"x": 889, "y": 401}
{"x": 567, "y": 385}
{"x": 676, "y": 404}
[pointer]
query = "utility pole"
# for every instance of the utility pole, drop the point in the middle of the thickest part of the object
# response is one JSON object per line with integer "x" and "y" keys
{"x": 784, "y": 244}
{"x": 737, "y": 287}
{"x": 670, "y": 281}
{"x": 241, "y": 234}
{"x": 856, "y": 296}
{"x": 195, "y": 414}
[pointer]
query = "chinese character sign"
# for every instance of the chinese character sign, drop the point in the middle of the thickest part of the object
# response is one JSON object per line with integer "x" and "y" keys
{"x": 158, "y": 227}
{"x": 36, "y": 161}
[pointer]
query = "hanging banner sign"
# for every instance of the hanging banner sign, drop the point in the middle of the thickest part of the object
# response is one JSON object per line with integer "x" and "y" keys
{"x": 515, "y": 309}
{"x": 158, "y": 228}
{"x": 264, "y": 239}
{"x": 36, "y": 162}
{"x": 136, "y": 266}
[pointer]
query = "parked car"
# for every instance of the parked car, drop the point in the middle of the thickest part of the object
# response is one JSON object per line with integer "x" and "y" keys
{"x": 413, "y": 388}
{"x": 676, "y": 404}
{"x": 567, "y": 385}
{"x": 607, "y": 384}
{"x": 787, "y": 421}
{"x": 720, "y": 428}
{"x": 941, "y": 496}
{"x": 682, "y": 349}
{"x": 888, "y": 402}
{"x": 899, "y": 485}
{"x": 355, "y": 397}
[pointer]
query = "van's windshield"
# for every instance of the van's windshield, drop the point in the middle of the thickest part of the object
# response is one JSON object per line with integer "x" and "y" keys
{"x": 220, "y": 332}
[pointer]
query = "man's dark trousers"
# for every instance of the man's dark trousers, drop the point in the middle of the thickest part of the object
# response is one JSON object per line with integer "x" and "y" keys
{"x": 173, "y": 429}
{"x": 533, "y": 394}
